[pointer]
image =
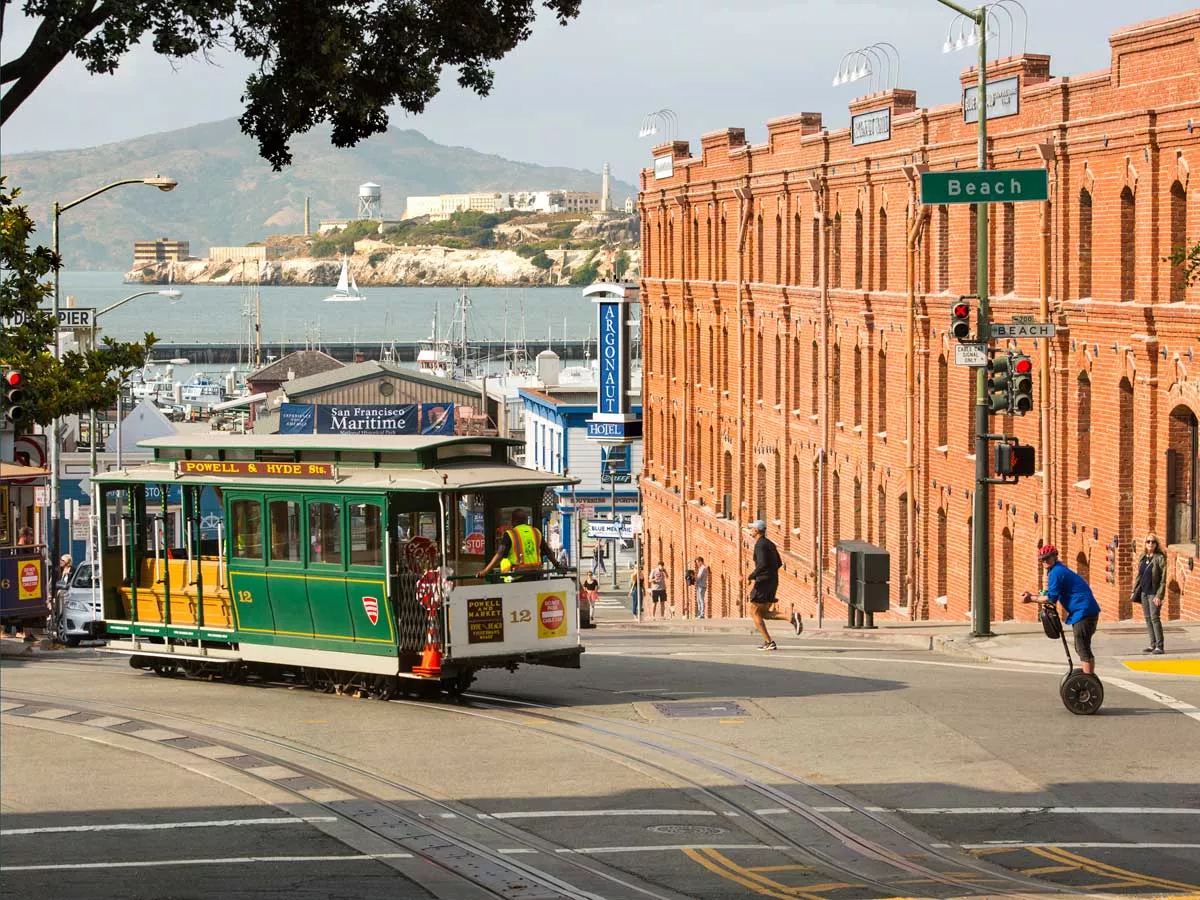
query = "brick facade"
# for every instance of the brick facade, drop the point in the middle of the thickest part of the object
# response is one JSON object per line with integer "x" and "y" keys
{"x": 745, "y": 381}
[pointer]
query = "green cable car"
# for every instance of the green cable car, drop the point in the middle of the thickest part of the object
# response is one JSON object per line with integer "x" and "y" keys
{"x": 344, "y": 561}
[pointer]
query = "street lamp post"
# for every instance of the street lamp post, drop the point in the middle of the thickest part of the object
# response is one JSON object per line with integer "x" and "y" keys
{"x": 981, "y": 625}
{"x": 163, "y": 184}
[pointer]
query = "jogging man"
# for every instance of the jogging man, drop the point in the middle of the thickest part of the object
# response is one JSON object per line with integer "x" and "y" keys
{"x": 765, "y": 579}
{"x": 1083, "y": 612}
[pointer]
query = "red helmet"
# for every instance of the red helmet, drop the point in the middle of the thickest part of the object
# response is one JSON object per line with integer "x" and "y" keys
{"x": 1047, "y": 551}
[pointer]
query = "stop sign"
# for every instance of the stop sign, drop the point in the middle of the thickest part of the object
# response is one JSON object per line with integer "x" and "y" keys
{"x": 474, "y": 543}
{"x": 29, "y": 576}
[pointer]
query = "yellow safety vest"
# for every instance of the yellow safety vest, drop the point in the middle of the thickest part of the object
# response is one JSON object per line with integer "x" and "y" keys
{"x": 525, "y": 548}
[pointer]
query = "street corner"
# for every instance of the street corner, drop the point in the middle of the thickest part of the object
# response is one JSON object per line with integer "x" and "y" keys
{"x": 1189, "y": 666}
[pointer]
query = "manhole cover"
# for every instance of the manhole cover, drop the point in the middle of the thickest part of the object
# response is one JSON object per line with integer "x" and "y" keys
{"x": 701, "y": 830}
{"x": 697, "y": 708}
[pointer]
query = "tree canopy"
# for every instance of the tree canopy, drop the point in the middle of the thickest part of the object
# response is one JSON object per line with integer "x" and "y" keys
{"x": 80, "y": 380}
{"x": 338, "y": 61}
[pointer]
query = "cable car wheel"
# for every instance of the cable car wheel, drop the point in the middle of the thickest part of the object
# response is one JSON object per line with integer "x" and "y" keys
{"x": 1081, "y": 693}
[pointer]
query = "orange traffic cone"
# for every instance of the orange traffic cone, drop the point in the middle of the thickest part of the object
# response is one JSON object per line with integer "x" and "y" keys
{"x": 431, "y": 656}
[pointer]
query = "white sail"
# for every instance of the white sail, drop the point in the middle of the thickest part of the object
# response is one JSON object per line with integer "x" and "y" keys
{"x": 343, "y": 285}
{"x": 347, "y": 287}
{"x": 353, "y": 285}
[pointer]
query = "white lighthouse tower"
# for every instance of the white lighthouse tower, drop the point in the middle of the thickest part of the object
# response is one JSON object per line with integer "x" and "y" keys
{"x": 605, "y": 193}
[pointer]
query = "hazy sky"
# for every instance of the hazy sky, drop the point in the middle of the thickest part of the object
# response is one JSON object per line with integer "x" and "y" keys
{"x": 576, "y": 95}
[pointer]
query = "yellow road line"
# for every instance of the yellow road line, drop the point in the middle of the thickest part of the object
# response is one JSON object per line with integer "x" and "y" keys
{"x": 698, "y": 856}
{"x": 1165, "y": 666}
{"x": 1095, "y": 867}
{"x": 1048, "y": 870}
{"x": 796, "y": 867}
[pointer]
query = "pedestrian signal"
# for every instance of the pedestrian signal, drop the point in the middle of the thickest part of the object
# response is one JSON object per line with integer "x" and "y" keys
{"x": 999, "y": 383}
{"x": 960, "y": 319}
{"x": 1022, "y": 384}
{"x": 14, "y": 395}
{"x": 1015, "y": 460}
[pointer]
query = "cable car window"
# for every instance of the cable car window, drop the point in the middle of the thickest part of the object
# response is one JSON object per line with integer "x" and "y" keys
{"x": 247, "y": 529}
{"x": 366, "y": 535}
{"x": 471, "y": 532}
{"x": 285, "y": 531}
{"x": 325, "y": 533}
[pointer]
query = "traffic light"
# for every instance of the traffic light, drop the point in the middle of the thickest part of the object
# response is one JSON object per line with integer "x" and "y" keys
{"x": 1021, "y": 386}
{"x": 1110, "y": 562}
{"x": 1015, "y": 460}
{"x": 999, "y": 383}
{"x": 14, "y": 395}
{"x": 960, "y": 319}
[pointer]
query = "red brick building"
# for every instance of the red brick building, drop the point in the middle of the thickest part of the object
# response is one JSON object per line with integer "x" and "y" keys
{"x": 777, "y": 316}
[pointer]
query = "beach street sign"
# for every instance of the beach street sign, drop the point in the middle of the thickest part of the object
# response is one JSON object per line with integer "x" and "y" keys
{"x": 987, "y": 186}
{"x": 1001, "y": 330}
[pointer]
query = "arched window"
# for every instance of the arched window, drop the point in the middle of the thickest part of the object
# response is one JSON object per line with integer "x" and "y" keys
{"x": 709, "y": 261}
{"x": 777, "y": 510}
{"x": 881, "y": 387}
{"x": 836, "y": 506}
{"x": 1083, "y": 433}
{"x": 796, "y": 377}
{"x": 858, "y": 249}
{"x": 883, "y": 250}
{"x": 943, "y": 401}
{"x": 778, "y": 273}
{"x": 1128, "y": 245}
{"x": 777, "y": 365}
{"x": 858, "y": 510}
{"x": 712, "y": 360}
{"x": 1008, "y": 261}
{"x": 816, "y": 250}
{"x": 1085, "y": 244}
{"x": 795, "y": 279}
{"x": 902, "y": 551}
{"x": 835, "y": 385}
{"x": 881, "y": 518}
{"x": 727, "y": 485}
{"x": 722, "y": 262}
{"x": 816, "y": 375}
{"x": 760, "y": 368}
{"x": 836, "y": 276}
{"x": 796, "y": 492}
{"x": 760, "y": 491}
{"x": 758, "y": 250}
{"x": 858, "y": 384}
{"x": 943, "y": 243}
{"x": 944, "y": 563}
{"x": 695, "y": 272}
{"x": 670, "y": 248}
{"x": 1178, "y": 240}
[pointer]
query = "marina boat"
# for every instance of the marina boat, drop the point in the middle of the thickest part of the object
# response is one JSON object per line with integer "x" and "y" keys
{"x": 201, "y": 390}
{"x": 347, "y": 288}
{"x": 150, "y": 384}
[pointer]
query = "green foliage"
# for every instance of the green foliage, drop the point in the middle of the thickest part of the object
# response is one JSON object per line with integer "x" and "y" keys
{"x": 53, "y": 387}
{"x": 364, "y": 58}
{"x": 586, "y": 274}
{"x": 620, "y": 264}
{"x": 376, "y": 258}
{"x": 562, "y": 230}
{"x": 463, "y": 230}
{"x": 335, "y": 243}
{"x": 1188, "y": 259}
{"x": 541, "y": 260}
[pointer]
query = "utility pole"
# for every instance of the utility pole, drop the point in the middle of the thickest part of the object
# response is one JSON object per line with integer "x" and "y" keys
{"x": 981, "y": 617}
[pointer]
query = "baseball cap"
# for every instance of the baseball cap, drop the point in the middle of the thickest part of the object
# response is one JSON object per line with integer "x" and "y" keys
{"x": 758, "y": 525}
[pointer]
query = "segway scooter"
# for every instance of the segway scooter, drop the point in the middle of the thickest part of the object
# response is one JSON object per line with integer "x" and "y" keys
{"x": 1081, "y": 692}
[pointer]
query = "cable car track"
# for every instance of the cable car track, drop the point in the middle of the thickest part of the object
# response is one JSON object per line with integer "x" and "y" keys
{"x": 646, "y": 739}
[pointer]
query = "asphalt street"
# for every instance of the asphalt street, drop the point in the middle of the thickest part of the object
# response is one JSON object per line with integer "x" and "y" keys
{"x": 668, "y": 766}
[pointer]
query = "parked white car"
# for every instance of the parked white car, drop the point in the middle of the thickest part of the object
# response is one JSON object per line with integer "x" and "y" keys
{"x": 82, "y": 609}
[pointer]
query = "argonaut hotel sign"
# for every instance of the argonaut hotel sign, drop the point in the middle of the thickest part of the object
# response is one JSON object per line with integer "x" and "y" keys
{"x": 613, "y": 421}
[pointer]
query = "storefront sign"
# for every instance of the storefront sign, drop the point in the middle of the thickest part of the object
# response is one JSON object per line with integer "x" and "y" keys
{"x": 871, "y": 127}
{"x": 296, "y": 418}
{"x": 1003, "y": 99}
{"x": 254, "y": 469}
{"x": 485, "y": 620}
{"x": 336, "y": 418}
{"x": 664, "y": 166}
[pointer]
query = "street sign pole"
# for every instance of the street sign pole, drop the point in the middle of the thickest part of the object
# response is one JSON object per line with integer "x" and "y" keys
{"x": 980, "y": 530}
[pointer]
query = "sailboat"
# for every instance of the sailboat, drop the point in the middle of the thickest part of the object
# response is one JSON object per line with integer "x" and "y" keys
{"x": 347, "y": 289}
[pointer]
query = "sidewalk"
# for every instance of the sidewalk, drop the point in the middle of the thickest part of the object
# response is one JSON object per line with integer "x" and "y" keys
{"x": 1011, "y": 642}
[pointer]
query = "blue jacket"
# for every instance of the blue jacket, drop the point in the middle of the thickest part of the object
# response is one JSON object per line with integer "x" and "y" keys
{"x": 1066, "y": 587}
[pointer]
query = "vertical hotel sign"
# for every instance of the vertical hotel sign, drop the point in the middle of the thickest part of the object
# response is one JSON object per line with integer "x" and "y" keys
{"x": 612, "y": 421}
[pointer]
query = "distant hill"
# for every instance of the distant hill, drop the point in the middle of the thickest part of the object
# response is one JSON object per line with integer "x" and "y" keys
{"x": 228, "y": 195}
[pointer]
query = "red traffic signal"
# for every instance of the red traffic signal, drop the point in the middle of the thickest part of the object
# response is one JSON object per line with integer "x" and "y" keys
{"x": 960, "y": 319}
{"x": 1023, "y": 365}
{"x": 14, "y": 394}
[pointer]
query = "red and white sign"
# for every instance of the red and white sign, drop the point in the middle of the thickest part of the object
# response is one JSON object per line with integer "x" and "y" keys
{"x": 420, "y": 554}
{"x": 552, "y": 615}
{"x": 371, "y": 608}
{"x": 29, "y": 577}
{"x": 474, "y": 543}
{"x": 29, "y": 450}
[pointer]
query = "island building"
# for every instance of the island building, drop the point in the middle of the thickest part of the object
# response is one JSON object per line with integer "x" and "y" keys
{"x": 147, "y": 253}
{"x": 796, "y": 302}
{"x": 440, "y": 207}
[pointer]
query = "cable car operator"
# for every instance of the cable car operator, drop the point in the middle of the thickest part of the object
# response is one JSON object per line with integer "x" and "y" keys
{"x": 522, "y": 547}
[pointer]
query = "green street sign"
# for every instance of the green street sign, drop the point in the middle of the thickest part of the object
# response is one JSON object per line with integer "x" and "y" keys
{"x": 990, "y": 186}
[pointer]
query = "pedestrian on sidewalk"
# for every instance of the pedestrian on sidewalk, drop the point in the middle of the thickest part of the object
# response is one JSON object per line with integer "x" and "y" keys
{"x": 701, "y": 586}
{"x": 637, "y": 590}
{"x": 765, "y": 579}
{"x": 1149, "y": 588}
{"x": 658, "y": 591}
{"x": 1068, "y": 589}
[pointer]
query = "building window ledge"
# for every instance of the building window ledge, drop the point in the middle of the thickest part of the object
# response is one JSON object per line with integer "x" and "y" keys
{"x": 1182, "y": 549}
{"x": 857, "y": 429}
{"x": 778, "y": 407}
{"x": 840, "y": 426}
{"x": 882, "y": 435}
{"x": 814, "y": 418}
{"x": 944, "y": 450}
{"x": 1084, "y": 487}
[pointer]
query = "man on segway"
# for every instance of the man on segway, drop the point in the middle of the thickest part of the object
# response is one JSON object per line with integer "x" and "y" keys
{"x": 1069, "y": 590}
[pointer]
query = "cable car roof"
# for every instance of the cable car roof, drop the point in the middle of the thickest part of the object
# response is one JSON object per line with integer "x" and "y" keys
{"x": 218, "y": 440}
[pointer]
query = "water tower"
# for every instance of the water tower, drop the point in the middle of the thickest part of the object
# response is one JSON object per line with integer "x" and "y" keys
{"x": 370, "y": 201}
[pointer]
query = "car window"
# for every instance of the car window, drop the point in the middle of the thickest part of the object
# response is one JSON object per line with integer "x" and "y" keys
{"x": 83, "y": 576}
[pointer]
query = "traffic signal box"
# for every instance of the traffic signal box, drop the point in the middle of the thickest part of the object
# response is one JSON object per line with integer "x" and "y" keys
{"x": 1015, "y": 460}
{"x": 15, "y": 412}
{"x": 960, "y": 318}
{"x": 999, "y": 383}
{"x": 1021, "y": 384}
